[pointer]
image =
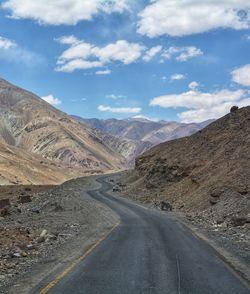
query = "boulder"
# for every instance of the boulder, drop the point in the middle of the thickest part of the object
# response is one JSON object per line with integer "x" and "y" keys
{"x": 166, "y": 206}
{"x": 43, "y": 233}
{"x": 234, "y": 108}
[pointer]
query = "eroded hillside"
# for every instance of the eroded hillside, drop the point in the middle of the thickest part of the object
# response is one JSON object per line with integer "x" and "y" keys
{"x": 210, "y": 169}
{"x": 29, "y": 123}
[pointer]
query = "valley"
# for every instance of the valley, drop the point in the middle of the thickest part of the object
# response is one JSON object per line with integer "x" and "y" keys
{"x": 65, "y": 184}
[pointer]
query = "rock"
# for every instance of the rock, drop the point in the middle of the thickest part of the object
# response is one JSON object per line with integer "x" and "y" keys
{"x": 30, "y": 247}
{"x": 116, "y": 189}
{"x": 213, "y": 201}
{"x": 35, "y": 210}
{"x": 51, "y": 237}
{"x": 216, "y": 192}
{"x": 4, "y": 212}
{"x": 24, "y": 199}
{"x": 220, "y": 221}
{"x": 4, "y": 203}
{"x": 240, "y": 221}
{"x": 24, "y": 254}
{"x": 234, "y": 108}
{"x": 17, "y": 254}
{"x": 40, "y": 239}
{"x": 166, "y": 206}
{"x": 43, "y": 233}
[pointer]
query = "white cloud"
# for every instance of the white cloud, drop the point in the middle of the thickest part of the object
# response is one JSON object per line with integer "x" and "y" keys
{"x": 103, "y": 72}
{"x": 59, "y": 12}
{"x": 193, "y": 86}
{"x": 241, "y": 75}
{"x": 82, "y": 55}
{"x": 115, "y": 97}
{"x": 152, "y": 52}
{"x": 186, "y": 17}
{"x": 182, "y": 54}
{"x": 51, "y": 100}
{"x": 68, "y": 40}
{"x": 202, "y": 106}
{"x": 144, "y": 117}
{"x": 119, "y": 109}
{"x": 6, "y": 43}
{"x": 10, "y": 51}
{"x": 177, "y": 77}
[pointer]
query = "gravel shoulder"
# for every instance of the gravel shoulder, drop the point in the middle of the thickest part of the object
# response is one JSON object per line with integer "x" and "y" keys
{"x": 231, "y": 240}
{"x": 43, "y": 236}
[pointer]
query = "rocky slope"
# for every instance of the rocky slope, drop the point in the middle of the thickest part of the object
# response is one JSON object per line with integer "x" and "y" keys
{"x": 29, "y": 123}
{"x": 207, "y": 172}
{"x": 20, "y": 167}
{"x": 137, "y": 135}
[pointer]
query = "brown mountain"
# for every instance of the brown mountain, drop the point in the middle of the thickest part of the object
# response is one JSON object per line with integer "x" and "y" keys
{"x": 208, "y": 169}
{"x": 29, "y": 123}
{"x": 136, "y": 135}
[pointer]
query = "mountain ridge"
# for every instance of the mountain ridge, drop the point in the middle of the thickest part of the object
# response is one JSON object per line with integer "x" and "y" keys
{"x": 31, "y": 124}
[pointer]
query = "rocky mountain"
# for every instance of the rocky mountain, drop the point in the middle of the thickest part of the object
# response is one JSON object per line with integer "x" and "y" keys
{"x": 31, "y": 124}
{"x": 207, "y": 172}
{"x": 137, "y": 135}
{"x": 20, "y": 167}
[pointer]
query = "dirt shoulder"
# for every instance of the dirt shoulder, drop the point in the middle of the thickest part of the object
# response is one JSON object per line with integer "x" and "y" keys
{"x": 36, "y": 237}
{"x": 230, "y": 237}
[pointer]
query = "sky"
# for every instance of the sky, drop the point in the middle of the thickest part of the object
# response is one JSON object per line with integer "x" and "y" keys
{"x": 183, "y": 60}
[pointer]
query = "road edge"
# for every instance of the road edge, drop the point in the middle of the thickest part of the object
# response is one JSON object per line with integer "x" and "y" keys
{"x": 232, "y": 262}
{"x": 70, "y": 267}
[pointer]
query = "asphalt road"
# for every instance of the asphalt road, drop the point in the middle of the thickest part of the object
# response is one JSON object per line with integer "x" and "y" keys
{"x": 148, "y": 253}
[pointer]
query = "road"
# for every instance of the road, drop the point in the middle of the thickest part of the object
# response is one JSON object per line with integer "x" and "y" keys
{"x": 148, "y": 253}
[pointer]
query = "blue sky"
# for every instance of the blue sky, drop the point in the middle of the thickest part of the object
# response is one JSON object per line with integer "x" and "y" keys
{"x": 163, "y": 59}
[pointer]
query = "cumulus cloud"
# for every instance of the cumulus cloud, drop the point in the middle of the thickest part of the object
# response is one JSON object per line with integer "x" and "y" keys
{"x": 82, "y": 55}
{"x": 177, "y": 77}
{"x": 202, "y": 106}
{"x": 119, "y": 109}
{"x": 151, "y": 53}
{"x": 103, "y": 72}
{"x": 58, "y": 12}
{"x": 186, "y": 17}
{"x": 241, "y": 75}
{"x": 6, "y": 43}
{"x": 193, "y": 86}
{"x": 51, "y": 100}
{"x": 182, "y": 54}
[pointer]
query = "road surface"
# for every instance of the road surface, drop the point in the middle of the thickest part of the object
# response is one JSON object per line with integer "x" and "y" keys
{"x": 148, "y": 253}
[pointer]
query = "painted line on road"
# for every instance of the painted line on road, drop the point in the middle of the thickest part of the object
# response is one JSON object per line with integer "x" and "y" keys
{"x": 75, "y": 263}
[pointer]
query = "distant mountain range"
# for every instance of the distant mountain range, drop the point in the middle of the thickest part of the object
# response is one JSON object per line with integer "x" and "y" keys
{"x": 42, "y": 145}
{"x": 137, "y": 135}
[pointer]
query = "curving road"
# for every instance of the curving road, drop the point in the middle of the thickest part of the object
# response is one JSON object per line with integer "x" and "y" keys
{"x": 148, "y": 253}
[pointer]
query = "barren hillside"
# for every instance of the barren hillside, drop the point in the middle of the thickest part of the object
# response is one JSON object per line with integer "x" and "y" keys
{"x": 210, "y": 169}
{"x": 29, "y": 123}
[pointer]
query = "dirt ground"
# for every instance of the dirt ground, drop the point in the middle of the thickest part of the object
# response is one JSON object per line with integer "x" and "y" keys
{"x": 38, "y": 235}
